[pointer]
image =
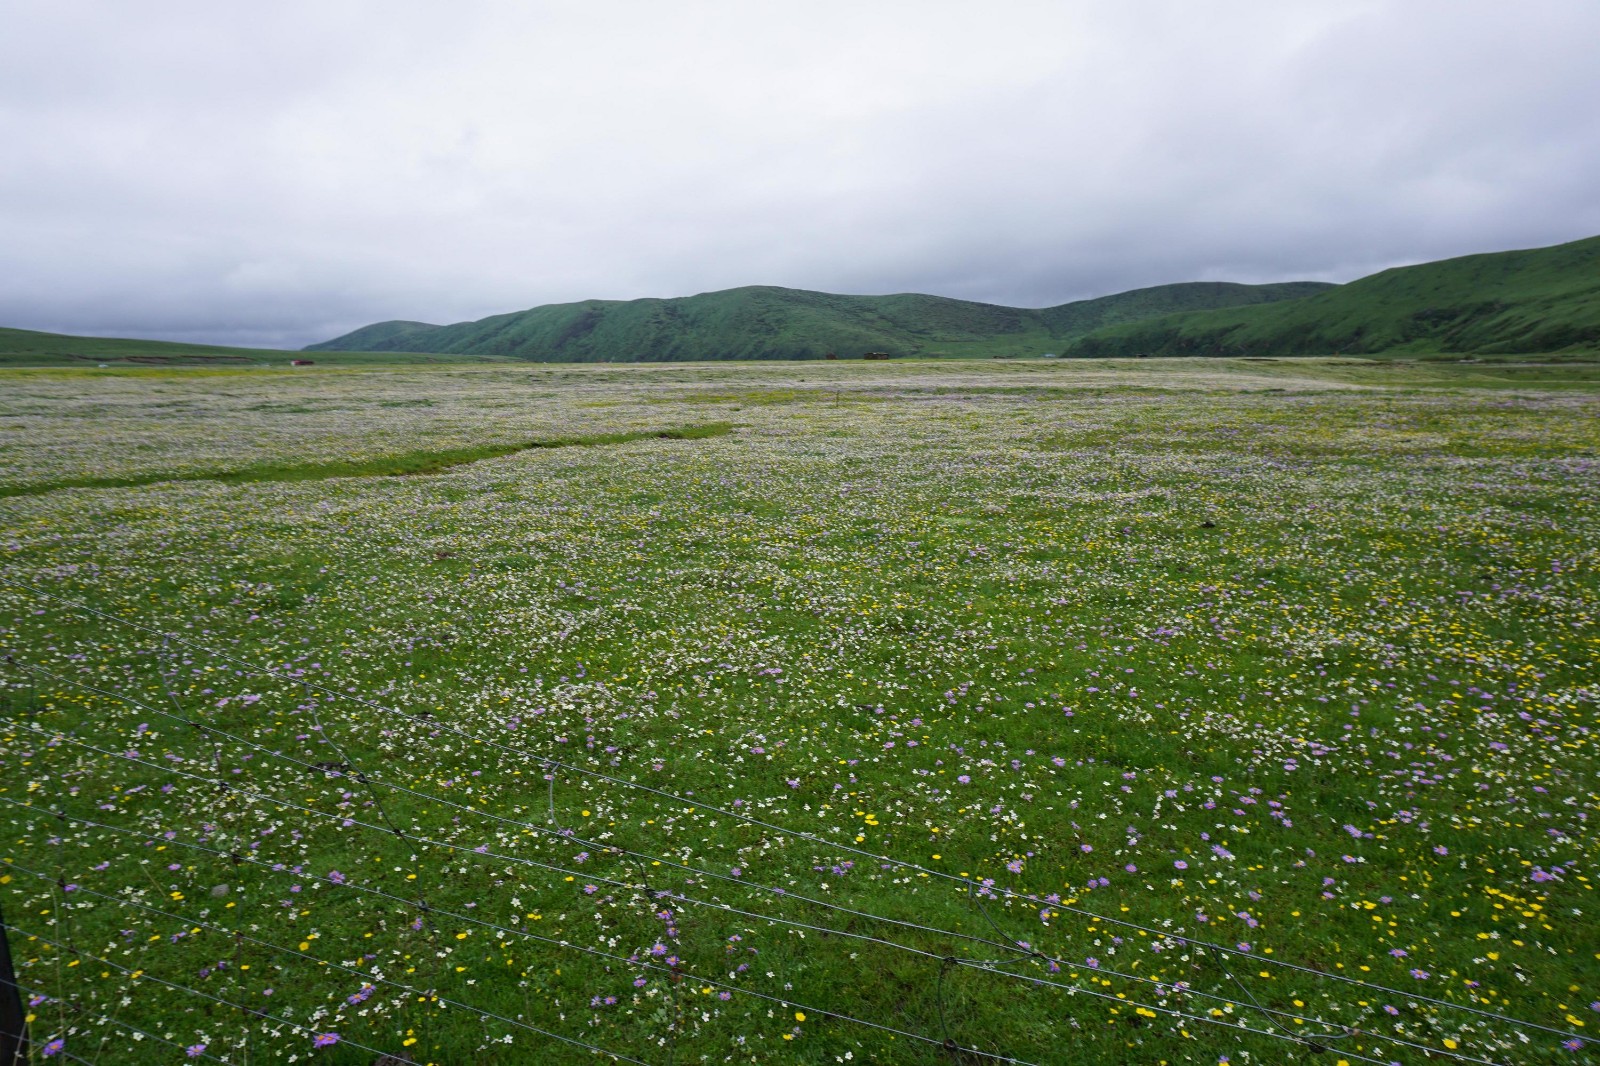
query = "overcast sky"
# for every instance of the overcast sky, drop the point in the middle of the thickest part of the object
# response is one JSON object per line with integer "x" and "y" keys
{"x": 279, "y": 172}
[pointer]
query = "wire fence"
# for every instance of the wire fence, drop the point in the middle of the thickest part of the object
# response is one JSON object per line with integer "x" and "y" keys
{"x": 356, "y": 905}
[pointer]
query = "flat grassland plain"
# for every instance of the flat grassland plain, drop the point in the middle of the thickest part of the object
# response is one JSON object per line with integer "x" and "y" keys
{"x": 1057, "y": 712}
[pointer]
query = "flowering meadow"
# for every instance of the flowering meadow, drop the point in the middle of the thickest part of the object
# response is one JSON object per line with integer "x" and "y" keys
{"x": 1049, "y": 712}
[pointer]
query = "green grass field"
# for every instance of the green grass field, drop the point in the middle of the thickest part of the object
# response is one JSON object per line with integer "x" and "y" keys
{"x": 1061, "y": 712}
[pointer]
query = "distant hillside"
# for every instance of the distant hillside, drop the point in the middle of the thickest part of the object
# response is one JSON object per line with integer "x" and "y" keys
{"x": 1542, "y": 300}
{"x": 386, "y": 337}
{"x": 26, "y": 347}
{"x": 1075, "y": 319}
{"x": 766, "y": 322}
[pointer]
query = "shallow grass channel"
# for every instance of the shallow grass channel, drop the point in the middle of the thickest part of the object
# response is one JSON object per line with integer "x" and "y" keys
{"x": 431, "y": 461}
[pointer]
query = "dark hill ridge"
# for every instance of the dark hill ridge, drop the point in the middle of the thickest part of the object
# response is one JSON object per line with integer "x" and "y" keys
{"x": 383, "y": 337}
{"x": 1542, "y": 300}
{"x": 26, "y": 347}
{"x": 766, "y": 322}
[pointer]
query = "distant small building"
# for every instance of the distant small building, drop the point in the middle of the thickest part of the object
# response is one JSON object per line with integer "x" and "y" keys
{"x": 831, "y": 355}
{"x": 302, "y": 362}
{"x": 877, "y": 355}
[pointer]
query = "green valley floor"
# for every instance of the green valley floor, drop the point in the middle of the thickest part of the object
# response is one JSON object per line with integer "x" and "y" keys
{"x": 1154, "y": 711}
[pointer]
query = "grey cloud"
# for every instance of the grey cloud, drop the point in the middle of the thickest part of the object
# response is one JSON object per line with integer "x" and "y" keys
{"x": 281, "y": 173}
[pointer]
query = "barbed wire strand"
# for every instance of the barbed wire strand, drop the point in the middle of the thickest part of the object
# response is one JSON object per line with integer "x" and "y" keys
{"x": 348, "y": 761}
{"x": 421, "y": 905}
{"x": 366, "y": 977}
{"x": 537, "y": 937}
{"x": 1345, "y": 1031}
{"x": 1309, "y": 1039}
{"x": 143, "y": 976}
{"x": 118, "y": 1022}
{"x": 166, "y": 686}
{"x": 990, "y": 967}
{"x": 201, "y": 727}
{"x": 583, "y": 949}
{"x": 436, "y": 964}
{"x": 566, "y": 836}
{"x": 1070, "y": 989}
{"x": 319, "y": 770}
{"x": 548, "y": 761}
{"x": 1304, "y": 1038}
{"x": 62, "y": 1051}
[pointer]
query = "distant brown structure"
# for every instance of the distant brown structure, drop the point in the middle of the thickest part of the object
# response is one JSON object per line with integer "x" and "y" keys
{"x": 831, "y": 355}
{"x": 877, "y": 355}
{"x": 302, "y": 362}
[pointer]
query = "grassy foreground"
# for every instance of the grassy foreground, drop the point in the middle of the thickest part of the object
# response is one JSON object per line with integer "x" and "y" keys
{"x": 1160, "y": 711}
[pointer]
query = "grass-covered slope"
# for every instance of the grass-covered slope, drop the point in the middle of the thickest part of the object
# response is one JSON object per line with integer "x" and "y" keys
{"x": 1541, "y": 300}
{"x": 390, "y": 336}
{"x": 26, "y": 347}
{"x": 31, "y": 348}
{"x": 1072, "y": 320}
{"x": 766, "y": 322}
{"x": 756, "y": 322}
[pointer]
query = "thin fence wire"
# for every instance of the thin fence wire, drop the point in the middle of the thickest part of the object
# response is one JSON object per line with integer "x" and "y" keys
{"x": 966, "y": 963}
{"x": 786, "y": 1002}
{"x": 1301, "y": 1039}
{"x": 190, "y": 920}
{"x": 189, "y": 1050}
{"x": 140, "y": 975}
{"x": 551, "y": 763}
{"x": 1070, "y": 989}
{"x": 673, "y": 972}
{"x": 1218, "y": 952}
{"x": 565, "y": 836}
{"x": 993, "y": 967}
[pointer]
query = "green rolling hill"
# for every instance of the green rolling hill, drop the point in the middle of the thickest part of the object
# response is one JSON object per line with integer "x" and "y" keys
{"x": 1544, "y": 300}
{"x": 26, "y": 347}
{"x": 1539, "y": 301}
{"x": 766, "y": 322}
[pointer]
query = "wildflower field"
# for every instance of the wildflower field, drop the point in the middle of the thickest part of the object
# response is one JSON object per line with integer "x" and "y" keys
{"x": 1048, "y": 712}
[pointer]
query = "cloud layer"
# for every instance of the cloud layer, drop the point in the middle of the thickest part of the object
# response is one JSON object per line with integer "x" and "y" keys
{"x": 280, "y": 173}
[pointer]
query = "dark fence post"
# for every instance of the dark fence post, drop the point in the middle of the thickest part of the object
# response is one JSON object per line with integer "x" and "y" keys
{"x": 13, "y": 1023}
